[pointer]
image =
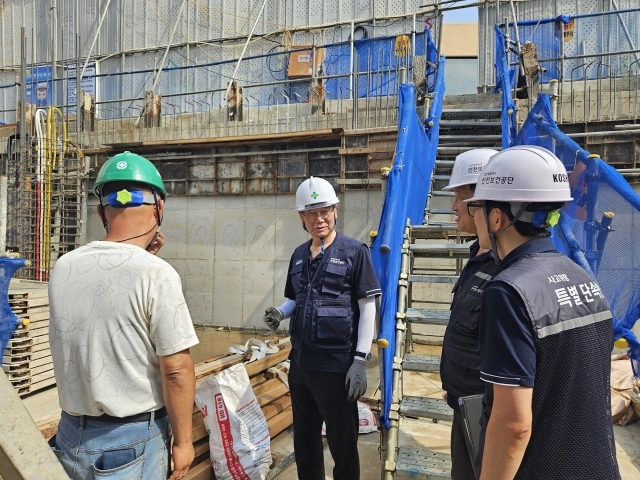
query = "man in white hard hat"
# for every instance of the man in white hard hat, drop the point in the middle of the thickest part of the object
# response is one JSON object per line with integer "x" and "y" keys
{"x": 546, "y": 332}
{"x": 330, "y": 290}
{"x": 460, "y": 362}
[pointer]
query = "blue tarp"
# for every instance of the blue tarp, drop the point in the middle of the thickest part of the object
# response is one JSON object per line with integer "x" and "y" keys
{"x": 504, "y": 83}
{"x": 611, "y": 254}
{"x": 8, "y": 319}
{"x": 406, "y": 196}
{"x": 374, "y": 55}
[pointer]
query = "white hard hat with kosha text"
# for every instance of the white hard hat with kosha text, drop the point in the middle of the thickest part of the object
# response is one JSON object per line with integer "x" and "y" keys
{"x": 468, "y": 167}
{"x": 526, "y": 173}
{"x": 315, "y": 192}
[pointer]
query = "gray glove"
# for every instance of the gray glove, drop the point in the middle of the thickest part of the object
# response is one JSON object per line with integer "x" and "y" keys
{"x": 356, "y": 382}
{"x": 272, "y": 317}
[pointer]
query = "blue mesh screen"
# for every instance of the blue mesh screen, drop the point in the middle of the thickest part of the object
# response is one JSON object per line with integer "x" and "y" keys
{"x": 602, "y": 244}
{"x": 406, "y": 196}
{"x": 9, "y": 320}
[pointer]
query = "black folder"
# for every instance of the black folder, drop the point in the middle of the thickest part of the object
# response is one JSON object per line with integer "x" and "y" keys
{"x": 471, "y": 412}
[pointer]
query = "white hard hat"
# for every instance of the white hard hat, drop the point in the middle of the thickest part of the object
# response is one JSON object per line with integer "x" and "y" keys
{"x": 524, "y": 173}
{"x": 468, "y": 167}
{"x": 315, "y": 192}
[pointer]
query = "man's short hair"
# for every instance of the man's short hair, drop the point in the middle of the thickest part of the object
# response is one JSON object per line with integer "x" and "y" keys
{"x": 525, "y": 229}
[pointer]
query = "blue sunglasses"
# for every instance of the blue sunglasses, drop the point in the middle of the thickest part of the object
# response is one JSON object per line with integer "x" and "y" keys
{"x": 129, "y": 198}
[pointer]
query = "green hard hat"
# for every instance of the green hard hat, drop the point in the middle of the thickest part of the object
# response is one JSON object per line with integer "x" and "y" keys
{"x": 129, "y": 167}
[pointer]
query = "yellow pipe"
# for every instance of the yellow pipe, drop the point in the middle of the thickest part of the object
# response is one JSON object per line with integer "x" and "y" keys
{"x": 51, "y": 154}
{"x": 52, "y": 143}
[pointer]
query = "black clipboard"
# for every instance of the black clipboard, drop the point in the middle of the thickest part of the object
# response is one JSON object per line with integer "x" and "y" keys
{"x": 471, "y": 412}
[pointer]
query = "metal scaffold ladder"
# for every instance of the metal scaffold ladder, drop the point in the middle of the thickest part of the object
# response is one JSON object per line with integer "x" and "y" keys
{"x": 433, "y": 255}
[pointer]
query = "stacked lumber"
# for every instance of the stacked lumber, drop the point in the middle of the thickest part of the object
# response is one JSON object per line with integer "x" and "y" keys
{"x": 27, "y": 358}
{"x": 272, "y": 394}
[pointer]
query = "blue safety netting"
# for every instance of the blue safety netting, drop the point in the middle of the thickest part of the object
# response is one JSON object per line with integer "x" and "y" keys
{"x": 9, "y": 320}
{"x": 374, "y": 63}
{"x": 408, "y": 185}
{"x": 604, "y": 245}
{"x": 504, "y": 84}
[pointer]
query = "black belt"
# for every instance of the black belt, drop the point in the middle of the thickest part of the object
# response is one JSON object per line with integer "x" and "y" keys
{"x": 140, "y": 417}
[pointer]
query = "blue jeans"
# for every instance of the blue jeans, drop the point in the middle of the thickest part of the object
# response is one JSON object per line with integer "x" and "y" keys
{"x": 89, "y": 449}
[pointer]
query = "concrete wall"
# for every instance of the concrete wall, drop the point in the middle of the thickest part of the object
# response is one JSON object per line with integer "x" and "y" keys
{"x": 232, "y": 252}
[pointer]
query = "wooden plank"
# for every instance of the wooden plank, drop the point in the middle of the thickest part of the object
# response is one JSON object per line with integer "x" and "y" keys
{"x": 276, "y": 407}
{"x": 28, "y": 293}
{"x": 41, "y": 347}
{"x": 359, "y": 181}
{"x": 41, "y": 369}
{"x": 198, "y": 430}
{"x": 42, "y": 376}
{"x": 201, "y": 446}
{"x": 39, "y": 362}
{"x": 35, "y": 316}
{"x": 19, "y": 337}
{"x": 261, "y": 138}
{"x": 29, "y": 302}
{"x": 20, "y": 372}
{"x": 24, "y": 350}
{"x": 363, "y": 150}
{"x": 16, "y": 369}
{"x": 203, "y": 471}
{"x": 34, "y": 310}
{"x": 37, "y": 323}
{"x": 266, "y": 386}
{"x": 278, "y": 391}
{"x": 38, "y": 331}
{"x": 211, "y": 368}
{"x": 34, "y": 387}
{"x": 280, "y": 422}
{"x": 49, "y": 429}
{"x": 211, "y": 359}
{"x": 19, "y": 358}
{"x": 254, "y": 368}
{"x": 40, "y": 353}
{"x": 40, "y": 339}
{"x": 21, "y": 389}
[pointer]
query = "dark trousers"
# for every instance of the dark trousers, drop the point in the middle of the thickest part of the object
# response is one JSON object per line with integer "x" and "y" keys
{"x": 318, "y": 396}
{"x": 461, "y": 466}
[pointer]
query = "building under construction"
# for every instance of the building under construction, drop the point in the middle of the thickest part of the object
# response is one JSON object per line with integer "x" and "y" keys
{"x": 236, "y": 102}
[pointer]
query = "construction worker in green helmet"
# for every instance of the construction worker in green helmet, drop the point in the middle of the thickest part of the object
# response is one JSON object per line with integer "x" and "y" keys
{"x": 546, "y": 332}
{"x": 120, "y": 333}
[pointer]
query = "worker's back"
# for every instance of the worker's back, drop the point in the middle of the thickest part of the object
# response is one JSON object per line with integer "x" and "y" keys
{"x": 572, "y": 433}
{"x": 106, "y": 330}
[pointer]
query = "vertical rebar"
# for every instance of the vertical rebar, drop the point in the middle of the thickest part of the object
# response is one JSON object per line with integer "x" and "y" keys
{"x": 553, "y": 86}
{"x": 388, "y": 83}
{"x": 351, "y": 58}
{"x": 366, "y": 121}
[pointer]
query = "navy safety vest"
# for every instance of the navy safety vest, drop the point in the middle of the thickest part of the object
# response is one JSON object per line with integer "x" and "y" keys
{"x": 326, "y": 314}
{"x": 460, "y": 363}
{"x": 572, "y": 433}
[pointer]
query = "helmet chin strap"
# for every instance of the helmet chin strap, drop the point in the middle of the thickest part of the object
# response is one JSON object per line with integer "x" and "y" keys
{"x": 493, "y": 236}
